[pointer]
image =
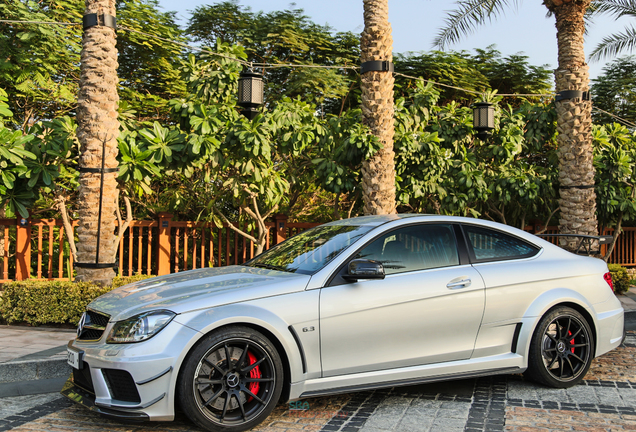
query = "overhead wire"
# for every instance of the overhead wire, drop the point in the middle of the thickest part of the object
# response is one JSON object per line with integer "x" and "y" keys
{"x": 622, "y": 120}
{"x": 292, "y": 65}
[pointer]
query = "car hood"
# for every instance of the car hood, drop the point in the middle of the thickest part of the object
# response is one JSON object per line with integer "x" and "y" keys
{"x": 197, "y": 289}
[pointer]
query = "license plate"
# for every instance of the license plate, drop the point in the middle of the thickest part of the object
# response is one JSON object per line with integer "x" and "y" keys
{"x": 74, "y": 358}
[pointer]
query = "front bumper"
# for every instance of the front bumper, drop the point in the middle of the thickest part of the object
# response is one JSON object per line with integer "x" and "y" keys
{"x": 131, "y": 381}
{"x": 87, "y": 400}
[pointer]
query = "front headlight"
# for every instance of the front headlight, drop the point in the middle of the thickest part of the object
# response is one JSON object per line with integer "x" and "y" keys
{"x": 140, "y": 327}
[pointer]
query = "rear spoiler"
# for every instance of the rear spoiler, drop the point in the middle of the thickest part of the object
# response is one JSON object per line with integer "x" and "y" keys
{"x": 585, "y": 242}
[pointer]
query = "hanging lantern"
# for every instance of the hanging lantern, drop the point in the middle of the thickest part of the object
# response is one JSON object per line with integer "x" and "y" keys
{"x": 250, "y": 88}
{"x": 483, "y": 119}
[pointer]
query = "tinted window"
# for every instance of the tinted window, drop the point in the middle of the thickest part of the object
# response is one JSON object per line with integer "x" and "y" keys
{"x": 495, "y": 245}
{"x": 417, "y": 247}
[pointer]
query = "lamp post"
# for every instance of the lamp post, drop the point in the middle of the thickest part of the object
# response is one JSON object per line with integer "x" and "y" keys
{"x": 483, "y": 119}
{"x": 250, "y": 97}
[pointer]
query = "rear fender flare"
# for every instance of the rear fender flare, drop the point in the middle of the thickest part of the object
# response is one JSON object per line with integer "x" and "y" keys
{"x": 541, "y": 305}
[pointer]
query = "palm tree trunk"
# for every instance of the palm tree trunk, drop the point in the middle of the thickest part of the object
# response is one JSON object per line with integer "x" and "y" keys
{"x": 378, "y": 172}
{"x": 574, "y": 119}
{"x": 97, "y": 126}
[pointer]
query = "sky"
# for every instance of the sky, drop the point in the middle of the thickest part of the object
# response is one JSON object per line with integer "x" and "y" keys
{"x": 415, "y": 24}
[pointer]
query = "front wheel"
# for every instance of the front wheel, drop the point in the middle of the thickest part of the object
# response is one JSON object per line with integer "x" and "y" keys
{"x": 231, "y": 381}
{"x": 561, "y": 350}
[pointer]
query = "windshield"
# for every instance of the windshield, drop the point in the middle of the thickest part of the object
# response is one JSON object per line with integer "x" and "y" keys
{"x": 311, "y": 250}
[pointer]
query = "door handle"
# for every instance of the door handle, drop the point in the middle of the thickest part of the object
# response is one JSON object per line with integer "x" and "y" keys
{"x": 459, "y": 284}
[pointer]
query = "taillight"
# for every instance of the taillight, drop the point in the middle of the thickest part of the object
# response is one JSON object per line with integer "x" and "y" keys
{"x": 608, "y": 278}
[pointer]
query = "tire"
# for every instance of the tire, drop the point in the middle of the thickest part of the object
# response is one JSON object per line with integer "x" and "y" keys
{"x": 233, "y": 396}
{"x": 561, "y": 349}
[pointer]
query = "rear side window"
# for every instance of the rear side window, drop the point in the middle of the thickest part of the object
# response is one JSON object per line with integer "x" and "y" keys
{"x": 490, "y": 245}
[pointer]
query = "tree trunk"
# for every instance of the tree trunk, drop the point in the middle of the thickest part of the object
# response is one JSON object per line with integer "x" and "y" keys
{"x": 574, "y": 119}
{"x": 97, "y": 126}
{"x": 378, "y": 172}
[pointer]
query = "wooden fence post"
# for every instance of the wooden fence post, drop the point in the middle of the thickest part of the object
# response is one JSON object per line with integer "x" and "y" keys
{"x": 163, "y": 265}
{"x": 281, "y": 227}
{"x": 23, "y": 249}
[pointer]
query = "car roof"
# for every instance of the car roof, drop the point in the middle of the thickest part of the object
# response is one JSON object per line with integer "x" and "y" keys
{"x": 372, "y": 220}
{"x": 377, "y": 220}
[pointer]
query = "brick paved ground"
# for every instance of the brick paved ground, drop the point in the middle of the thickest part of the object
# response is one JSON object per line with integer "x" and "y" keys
{"x": 605, "y": 401}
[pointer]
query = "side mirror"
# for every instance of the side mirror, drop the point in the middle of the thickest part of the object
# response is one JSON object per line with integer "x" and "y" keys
{"x": 364, "y": 269}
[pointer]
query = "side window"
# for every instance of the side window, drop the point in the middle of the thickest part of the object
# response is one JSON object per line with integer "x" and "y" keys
{"x": 491, "y": 245}
{"x": 417, "y": 247}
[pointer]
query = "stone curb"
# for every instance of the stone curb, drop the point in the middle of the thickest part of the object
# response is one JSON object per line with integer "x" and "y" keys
{"x": 30, "y": 370}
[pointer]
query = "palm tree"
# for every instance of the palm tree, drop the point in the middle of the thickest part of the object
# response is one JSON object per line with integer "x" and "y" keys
{"x": 97, "y": 132}
{"x": 618, "y": 42}
{"x": 378, "y": 172}
{"x": 574, "y": 114}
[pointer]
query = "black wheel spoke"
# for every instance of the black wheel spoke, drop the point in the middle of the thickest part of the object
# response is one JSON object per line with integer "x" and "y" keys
{"x": 552, "y": 338}
{"x": 207, "y": 381}
{"x": 575, "y": 334}
{"x": 227, "y": 357}
{"x": 580, "y": 345}
{"x": 238, "y": 399}
{"x": 243, "y": 357}
{"x": 549, "y": 350}
{"x": 214, "y": 366}
{"x": 571, "y": 366}
{"x": 258, "y": 380}
{"x": 561, "y": 368}
{"x": 567, "y": 330}
{"x": 554, "y": 359}
{"x": 558, "y": 328}
{"x": 577, "y": 357}
{"x": 226, "y": 405}
{"x": 247, "y": 391}
{"x": 214, "y": 397}
{"x": 252, "y": 366}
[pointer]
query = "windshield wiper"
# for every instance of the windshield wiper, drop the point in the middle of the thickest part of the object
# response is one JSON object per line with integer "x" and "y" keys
{"x": 271, "y": 267}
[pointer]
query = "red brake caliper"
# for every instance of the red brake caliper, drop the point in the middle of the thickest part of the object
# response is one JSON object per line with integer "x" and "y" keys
{"x": 254, "y": 373}
{"x": 572, "y": 341}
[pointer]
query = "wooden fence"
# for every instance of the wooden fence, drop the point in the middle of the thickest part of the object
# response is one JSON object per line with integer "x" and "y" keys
{"x": 38, "y": 248}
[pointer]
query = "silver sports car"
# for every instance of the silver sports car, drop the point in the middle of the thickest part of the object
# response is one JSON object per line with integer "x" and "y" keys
{"x": 362, "y": 303}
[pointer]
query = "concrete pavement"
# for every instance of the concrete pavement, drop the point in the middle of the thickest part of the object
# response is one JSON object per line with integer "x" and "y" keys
{"x": 33, "y": 369}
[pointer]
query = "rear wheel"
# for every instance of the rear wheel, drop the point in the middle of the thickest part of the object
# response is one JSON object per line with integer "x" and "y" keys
{"x": 561, "y": 350}
{"x": 231, "y": 381}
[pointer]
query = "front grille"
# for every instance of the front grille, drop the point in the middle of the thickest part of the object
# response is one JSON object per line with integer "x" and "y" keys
{"x": 82, "y": 378}
{"x": 97, "y": 318}
{"x": 94, "y": 325}
{"x": 121, "y": 385}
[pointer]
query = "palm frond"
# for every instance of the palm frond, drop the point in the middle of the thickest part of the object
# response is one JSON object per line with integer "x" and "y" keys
{"x": 467, "y": 17}
{"x": 614, "y": 44}
{"x": 616, "y": 8}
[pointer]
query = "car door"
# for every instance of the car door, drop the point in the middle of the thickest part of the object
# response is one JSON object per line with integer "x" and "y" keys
{"x": 428, "y": 308}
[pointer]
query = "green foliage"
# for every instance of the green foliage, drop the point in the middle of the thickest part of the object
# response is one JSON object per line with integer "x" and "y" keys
{"x": 283, "y": 37}
{"x": 40, "y": 63}
{"x": 620, "y": 278}
{"x": 479, "y": 72}
{"x": 442, "y": 168}
{"x": 614, "y": 91}
{"x": 51, "y": 302}
{"x": 615, "y": 163}
{"x": 43, "y": 302}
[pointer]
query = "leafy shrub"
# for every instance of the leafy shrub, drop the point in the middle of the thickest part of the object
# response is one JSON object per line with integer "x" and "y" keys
{"x": 620, "y": 277}
{"x": 38, "y": 302}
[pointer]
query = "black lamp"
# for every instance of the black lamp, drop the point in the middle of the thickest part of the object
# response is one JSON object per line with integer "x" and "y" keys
{"x": 250, "y": 87}
{"x": 483, "y": 119}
